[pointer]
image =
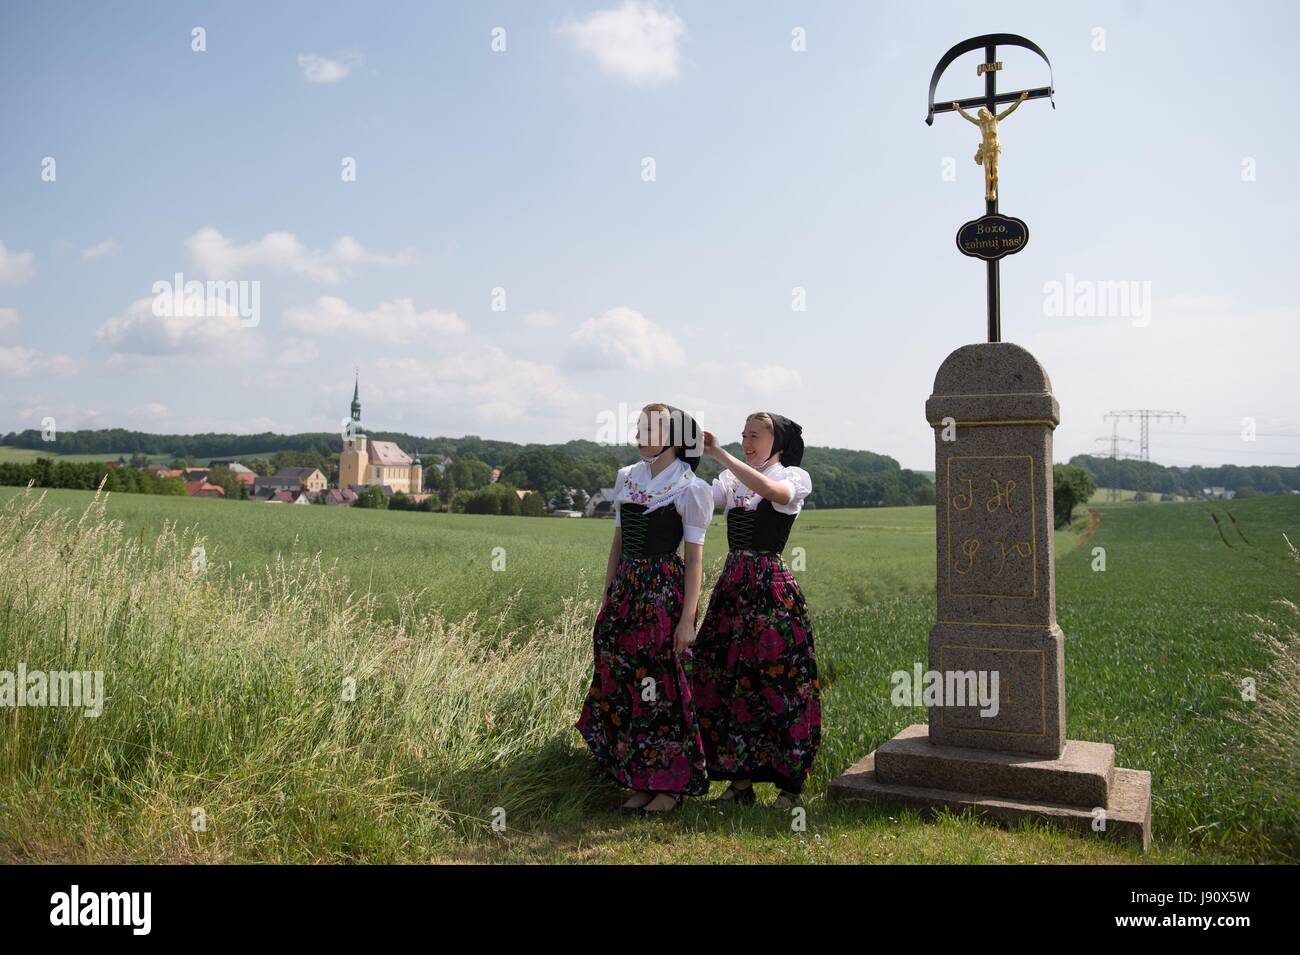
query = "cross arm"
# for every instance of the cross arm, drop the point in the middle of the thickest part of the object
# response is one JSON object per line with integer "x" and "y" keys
{"x": 989, "y": 43}
{"x": 1039, "y": 93}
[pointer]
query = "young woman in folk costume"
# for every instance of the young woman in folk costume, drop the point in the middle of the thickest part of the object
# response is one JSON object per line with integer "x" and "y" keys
{"x": 754, "y": 676}
{"x": 638, "y": 717}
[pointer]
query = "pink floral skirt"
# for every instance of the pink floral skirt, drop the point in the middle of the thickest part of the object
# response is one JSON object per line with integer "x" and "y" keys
{"x": 638, "y": 717}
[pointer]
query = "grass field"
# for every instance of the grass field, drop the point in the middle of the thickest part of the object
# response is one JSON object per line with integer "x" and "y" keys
{"x": 225, "y": 702}
{"x": 444, "y": 562}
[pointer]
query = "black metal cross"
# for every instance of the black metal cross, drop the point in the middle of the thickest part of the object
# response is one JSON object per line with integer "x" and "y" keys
{"x": 990, "y": 100}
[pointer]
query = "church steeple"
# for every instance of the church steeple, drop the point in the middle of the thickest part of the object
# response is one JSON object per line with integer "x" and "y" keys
{"x": 356, "y": 400}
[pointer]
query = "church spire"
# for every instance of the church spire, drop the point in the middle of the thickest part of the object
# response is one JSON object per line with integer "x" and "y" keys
{"x": 356, "y": 398}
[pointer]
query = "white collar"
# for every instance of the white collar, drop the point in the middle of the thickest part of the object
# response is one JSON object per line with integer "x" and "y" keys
{"x": 653, "y": 482}
{"x": 641, "y": 487}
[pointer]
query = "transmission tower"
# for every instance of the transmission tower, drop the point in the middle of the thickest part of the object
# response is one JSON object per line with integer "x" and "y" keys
{"x": 1144, "y": 416}
{"x": 1112, "y": 492}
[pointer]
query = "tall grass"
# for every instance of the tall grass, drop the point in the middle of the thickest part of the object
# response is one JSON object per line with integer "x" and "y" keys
{"x": 1274, "y": 719}
{"x": 226, "y": 732}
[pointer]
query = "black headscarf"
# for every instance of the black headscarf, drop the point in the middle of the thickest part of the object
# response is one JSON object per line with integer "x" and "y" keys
{"x": 685, "y": 435}
{"x": 787, "y": 437}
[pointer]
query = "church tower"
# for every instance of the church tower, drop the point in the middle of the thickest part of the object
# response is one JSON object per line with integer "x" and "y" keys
{"x": 354, "y": 458}
{"x": 417, "y": 475}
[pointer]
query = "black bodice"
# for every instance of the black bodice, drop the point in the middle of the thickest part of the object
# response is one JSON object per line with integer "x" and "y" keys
{"x": 763, "y": 529}
{"x": 647, "y": 533}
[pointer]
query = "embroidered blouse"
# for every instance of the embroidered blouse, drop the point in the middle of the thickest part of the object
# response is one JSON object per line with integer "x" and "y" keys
{"x": 676, "y": 485}
{"x": 728, "y": 492}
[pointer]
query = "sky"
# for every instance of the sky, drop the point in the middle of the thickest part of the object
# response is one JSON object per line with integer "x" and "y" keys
{"x": 525, "y": 220}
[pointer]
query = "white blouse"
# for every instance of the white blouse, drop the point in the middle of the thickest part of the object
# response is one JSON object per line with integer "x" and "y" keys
{"x": 728, "y": 492}
{"x": 676, "y": 485}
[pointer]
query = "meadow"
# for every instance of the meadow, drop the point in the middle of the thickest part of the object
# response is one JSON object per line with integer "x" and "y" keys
{"x": 456, "y": 564}
{"x": 344, "y": 685}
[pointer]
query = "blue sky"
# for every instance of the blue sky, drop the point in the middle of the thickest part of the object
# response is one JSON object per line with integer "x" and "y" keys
{"x": 1169, "y": 162}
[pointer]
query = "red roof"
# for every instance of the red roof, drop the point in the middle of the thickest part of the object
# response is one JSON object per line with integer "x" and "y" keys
{"x": 196, "y": 487}
{"x": 387, "y": 454}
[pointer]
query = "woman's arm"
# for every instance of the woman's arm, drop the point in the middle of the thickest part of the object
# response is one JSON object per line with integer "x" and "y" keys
{"x": 778, "y": 492}
{"x": 684, "y": 635}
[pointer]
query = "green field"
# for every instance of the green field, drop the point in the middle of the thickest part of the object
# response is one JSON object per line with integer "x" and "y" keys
{"x": 224, "y": 686}
{"x": 444, "y": 562}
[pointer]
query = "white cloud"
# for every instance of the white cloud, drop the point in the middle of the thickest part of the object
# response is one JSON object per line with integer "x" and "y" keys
{"x": 154, "y": 409}
{"x": 771, "y": 379}
{"x": 218, "y": 257}
{"x": 206, "y": 328}
{"x": 67, "y": 417}
{"x": 397, "y": 321}
{"x": 296, "y": 351}
{"x": 16, "y": 267}
{"x": 19, "y": 362}
{"x": 623, "y": 338}
{"x": 637, "y": 41}
{"x": 101, "y": 248}
{"x": 321, "y": 69}
{"x": 477, "y": 383}
{"x": 540, "y": 320}
{"x": 8, "y": 321}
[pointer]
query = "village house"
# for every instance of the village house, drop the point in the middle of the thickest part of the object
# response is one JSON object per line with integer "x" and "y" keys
{"x": 203, "y": 489}
{"x": 601, "y": 504}
{"x": 289, "y": 479}
{"x": 1218, "y": 493}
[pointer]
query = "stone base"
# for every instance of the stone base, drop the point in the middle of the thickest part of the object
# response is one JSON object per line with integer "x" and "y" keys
{"x": 911, "y": 771}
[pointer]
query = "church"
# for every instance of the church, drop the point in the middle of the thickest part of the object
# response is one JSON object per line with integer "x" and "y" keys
{"x": 364, "y": 462}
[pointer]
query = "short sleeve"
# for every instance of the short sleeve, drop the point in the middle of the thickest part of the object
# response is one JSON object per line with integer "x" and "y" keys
{"x": 619, "y": 481}
{"x": 695, "y": 505}
{"x": 800, "y": 484}
{"x": 720, "y": 491}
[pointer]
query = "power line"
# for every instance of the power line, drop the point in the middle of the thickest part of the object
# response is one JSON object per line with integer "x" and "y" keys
{"x": 1112, "y": 493}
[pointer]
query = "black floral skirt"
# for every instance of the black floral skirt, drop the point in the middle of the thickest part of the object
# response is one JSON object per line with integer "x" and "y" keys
{"x": 638, "y": 717}
{"x": 754, "y": 675}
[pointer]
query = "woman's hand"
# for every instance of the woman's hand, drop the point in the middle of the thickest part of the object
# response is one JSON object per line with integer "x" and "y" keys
{"x": 711, "y": 447}
{"x": 683, "y": 636}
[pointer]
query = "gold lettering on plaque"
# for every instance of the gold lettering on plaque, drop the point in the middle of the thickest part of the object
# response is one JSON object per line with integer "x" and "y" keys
{"x": 969, "y": 548}
{"x": 1001, "y": 495}
{"x": 962, "y": 502}
{"x": 992, "y": 527}
{"x": 1022, "y": 548}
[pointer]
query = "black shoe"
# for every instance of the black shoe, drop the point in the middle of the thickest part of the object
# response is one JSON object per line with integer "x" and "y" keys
{"x": 784, "y": 795}
{"x": 632, "y": 810}
{"x": 743, "y": 796}
{"x": 677, "y": 804}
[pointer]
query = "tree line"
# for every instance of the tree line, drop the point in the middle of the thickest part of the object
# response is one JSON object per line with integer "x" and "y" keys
{"x": 841, "y": 477}
{"x": 1154, "y": 478}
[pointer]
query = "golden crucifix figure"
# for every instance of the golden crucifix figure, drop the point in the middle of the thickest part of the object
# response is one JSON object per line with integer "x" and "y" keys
{"x": 990, "y": 149}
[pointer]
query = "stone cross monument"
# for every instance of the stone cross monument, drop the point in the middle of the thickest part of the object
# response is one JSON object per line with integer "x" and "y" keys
{"x": 996, "y": 741}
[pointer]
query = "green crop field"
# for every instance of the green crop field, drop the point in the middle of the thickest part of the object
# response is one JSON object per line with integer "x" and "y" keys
{"x": 444, "y": 562}
{"x": 228, "y": 689}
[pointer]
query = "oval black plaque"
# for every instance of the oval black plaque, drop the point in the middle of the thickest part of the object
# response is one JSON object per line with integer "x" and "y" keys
{"x": 992, "y": 236}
